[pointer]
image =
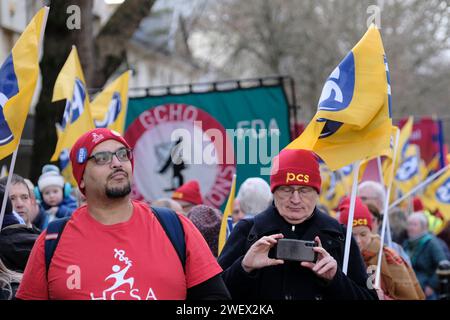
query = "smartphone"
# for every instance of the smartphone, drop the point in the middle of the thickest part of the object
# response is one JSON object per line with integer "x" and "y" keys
{"x": 296, "y": 250}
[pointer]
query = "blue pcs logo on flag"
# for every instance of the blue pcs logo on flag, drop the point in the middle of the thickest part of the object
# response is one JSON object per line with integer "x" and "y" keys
{"x": 337, "y": 92}
{"x": 115, "y": 106}
{"x": 347, "y": 170}
{"x": 443, "y": 192}
{"x": 329, "y": 128}
{"x": 66, "y": 115}
{"x": 64, "y": 159}
{"x": 408, "y": 169}
{"x": 75, "y": 106}
{"x": 79, "y": 96}
{"x": 9, "y": 87}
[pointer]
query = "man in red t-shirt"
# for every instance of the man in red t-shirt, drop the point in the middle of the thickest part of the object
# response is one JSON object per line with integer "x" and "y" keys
{"x": 114, "y": 247}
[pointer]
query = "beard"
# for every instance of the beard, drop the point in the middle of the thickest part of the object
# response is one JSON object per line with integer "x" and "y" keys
{"x": 118, "y": 192}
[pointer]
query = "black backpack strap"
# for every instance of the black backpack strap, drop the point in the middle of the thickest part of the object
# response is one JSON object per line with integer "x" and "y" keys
{"x": 53, "y": 234}
{"x": 174, "y": 229}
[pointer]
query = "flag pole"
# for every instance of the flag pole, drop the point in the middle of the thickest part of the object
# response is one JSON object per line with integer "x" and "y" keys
{"x": 8, "y": 182}
{"x": 380, "y": 170}
{"x": 348, "y": 236}
{"x": 386, "y": 214}
{"x": 419, "y": 186}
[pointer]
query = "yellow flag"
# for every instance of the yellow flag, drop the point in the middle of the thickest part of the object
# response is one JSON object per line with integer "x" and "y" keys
{"x": 437, "y": 195}
{"x": 433, "y": 166}
{"x": 66, "y": 167}
{"x": 77, "y": 120}
{"x": 353, "y": 120}
{"x": 109, "y": 108}
{"x": 227, "y": 213}
{"x": 386, "y": 167}
{"x": 333, "y": 188}
{"x": 18, "y": 78}
{"x": 411, "y": 171}
{"x": 346, "y": 177}
{"x": 405, "y": 134}
{"x": 64, "y": 162}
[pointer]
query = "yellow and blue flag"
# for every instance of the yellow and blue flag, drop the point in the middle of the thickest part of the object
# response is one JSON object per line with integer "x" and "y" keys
{"x": 437, "y": 195}
{"x": 333, "y": 189}
{"x": 64, "y": 161}
{"x": 346, "y": 174}
{"x": 403, "y": 143}
{"x": 109, "y": 108}
{"x": 434, "y": 165}
{"x": 353, "y": 120}
{"x": 66, "y": 167}
{"x": 18, "y": 78}
{"x": 411, "y": 171}
{"x": 388, "y": 168}
{"x": 77, "y": 118}
{"x": 226, "y": 213}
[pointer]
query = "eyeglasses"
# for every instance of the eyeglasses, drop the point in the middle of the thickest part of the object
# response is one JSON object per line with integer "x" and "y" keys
{"x": 105, "y": 157}
{"x": 288, "y": 191}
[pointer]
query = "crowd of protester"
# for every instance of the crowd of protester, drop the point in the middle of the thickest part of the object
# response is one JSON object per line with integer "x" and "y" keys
{"x": 262, "y": 214}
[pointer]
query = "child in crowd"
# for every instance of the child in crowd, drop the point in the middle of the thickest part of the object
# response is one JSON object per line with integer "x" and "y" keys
{"x": 54, "y": 194}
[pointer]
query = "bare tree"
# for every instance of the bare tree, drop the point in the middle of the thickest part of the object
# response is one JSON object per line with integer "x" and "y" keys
{"x": 306, "y": 39}
{"x": 100, "y": 58}
{"x": 111, "y": 43}
{"x": 84, "y": 37}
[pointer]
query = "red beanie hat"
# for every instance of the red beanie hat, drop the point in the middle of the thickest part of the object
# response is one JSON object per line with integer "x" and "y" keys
{"x": 189, "y": 192}
{"x": 295, "y": 167}
{"x": 417, "y": 204}
{"x": 361, "y": 217}
{"x": 82, "y": 149}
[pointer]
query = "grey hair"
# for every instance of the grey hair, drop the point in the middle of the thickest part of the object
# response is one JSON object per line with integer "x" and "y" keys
{"x": 254, "y": 196}
{"x": 377, "y": 188}
{"x": 16, "y": 179}
{"x": 420, "y": 216}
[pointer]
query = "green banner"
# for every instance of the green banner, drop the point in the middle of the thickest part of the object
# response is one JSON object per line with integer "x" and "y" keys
{"x": 222, "y": 133}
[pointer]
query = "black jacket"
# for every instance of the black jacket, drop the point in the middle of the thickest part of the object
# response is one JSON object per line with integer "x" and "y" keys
{"x": 16, "y": 242}
{"x": 291, "y": 281}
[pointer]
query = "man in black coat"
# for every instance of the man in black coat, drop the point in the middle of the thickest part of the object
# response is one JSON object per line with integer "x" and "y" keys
{"x": 16, "y": 240}
{"x": 251, "y": 271}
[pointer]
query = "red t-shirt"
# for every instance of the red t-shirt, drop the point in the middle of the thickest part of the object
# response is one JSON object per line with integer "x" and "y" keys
{"x": 130, "y": 260}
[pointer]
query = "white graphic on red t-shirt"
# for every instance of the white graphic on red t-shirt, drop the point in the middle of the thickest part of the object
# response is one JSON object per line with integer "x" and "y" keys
{"x": 119, "y": 277}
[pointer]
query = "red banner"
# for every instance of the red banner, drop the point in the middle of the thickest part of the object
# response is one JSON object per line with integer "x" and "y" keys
{"x": 426, "y": 134}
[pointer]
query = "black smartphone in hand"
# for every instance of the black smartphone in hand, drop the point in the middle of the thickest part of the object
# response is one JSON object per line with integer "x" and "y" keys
{"x": 296, "y": 250}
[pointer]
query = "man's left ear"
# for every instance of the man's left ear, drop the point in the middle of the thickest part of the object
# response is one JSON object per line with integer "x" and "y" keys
{"x": 81, "y": 186}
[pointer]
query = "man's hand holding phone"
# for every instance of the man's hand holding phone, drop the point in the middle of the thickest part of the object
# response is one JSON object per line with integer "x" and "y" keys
{"x": 257, "y": 256}
{"x": 325, "y": 266}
